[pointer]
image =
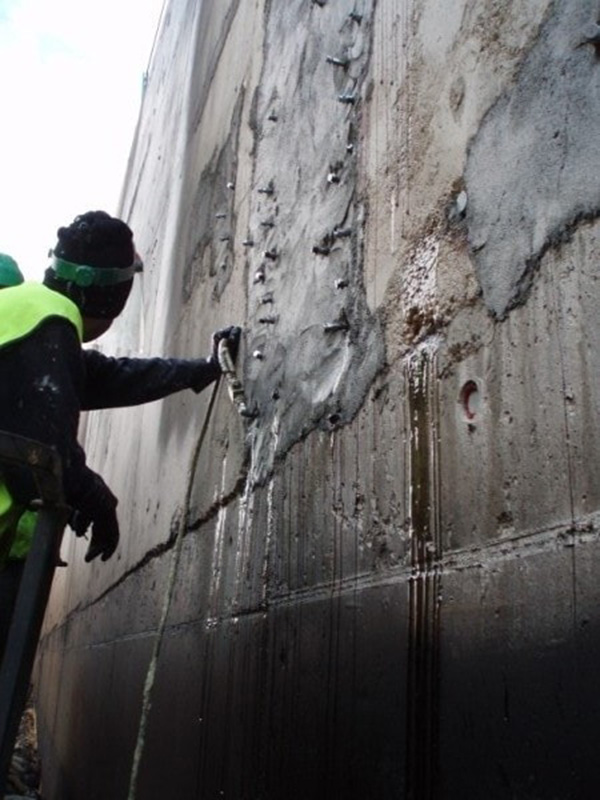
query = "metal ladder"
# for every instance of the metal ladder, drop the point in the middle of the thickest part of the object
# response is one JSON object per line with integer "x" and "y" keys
{"x": 34, "y": 590}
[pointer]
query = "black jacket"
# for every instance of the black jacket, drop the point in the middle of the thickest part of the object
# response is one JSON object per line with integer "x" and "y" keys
{"x": 47, "y": 378}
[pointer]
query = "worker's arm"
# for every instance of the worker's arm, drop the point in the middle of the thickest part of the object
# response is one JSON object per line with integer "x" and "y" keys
{"x": 111, "y": 382}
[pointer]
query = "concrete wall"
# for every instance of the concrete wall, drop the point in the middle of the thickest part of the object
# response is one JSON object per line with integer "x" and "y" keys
{"x": 388, "y": 583}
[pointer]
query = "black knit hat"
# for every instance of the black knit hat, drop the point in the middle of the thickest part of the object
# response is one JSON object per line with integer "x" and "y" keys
{"x": 96, "y": 240}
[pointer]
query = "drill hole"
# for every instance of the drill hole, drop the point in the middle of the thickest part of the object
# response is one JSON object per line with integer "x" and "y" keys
{"x": 470, "y": 400}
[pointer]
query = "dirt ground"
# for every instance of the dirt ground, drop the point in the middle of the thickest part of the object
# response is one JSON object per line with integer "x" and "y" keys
{"x": 24, "y": 772}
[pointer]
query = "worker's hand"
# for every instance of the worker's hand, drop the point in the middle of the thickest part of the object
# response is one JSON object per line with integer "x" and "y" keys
{"x": 97, "y": 508}
{"x": 105, "y": 536}
{"x": 232, "y": 334}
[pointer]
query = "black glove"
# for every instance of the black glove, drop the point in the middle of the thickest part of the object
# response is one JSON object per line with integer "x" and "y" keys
{"x": 105, "y": 536}
{"x": 232, "y": 334}
{"x": 206, "y": 370}
{"x": 97, "y": 508}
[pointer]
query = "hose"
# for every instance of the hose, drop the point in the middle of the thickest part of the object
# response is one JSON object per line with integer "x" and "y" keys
{"x": 151, "y": 673}
{"x": 236, "y": 393}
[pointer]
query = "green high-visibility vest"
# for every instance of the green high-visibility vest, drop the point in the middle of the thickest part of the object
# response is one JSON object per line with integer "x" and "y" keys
{"x": 23, "y": 309}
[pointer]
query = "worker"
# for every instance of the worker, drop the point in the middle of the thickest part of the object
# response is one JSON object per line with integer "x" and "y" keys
{"x": 47, "y": 378}
{"x": 10, "y": 274}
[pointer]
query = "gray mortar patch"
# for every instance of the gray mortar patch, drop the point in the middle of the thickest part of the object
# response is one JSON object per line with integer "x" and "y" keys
{"x": 301, "y": 374}
{"x": 532, "y": 167}
{"x": 211, "y": 221}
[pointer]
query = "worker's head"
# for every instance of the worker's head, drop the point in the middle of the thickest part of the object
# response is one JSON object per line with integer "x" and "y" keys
{"x": 10, "y": 274}
{"x": 93, "y": 264}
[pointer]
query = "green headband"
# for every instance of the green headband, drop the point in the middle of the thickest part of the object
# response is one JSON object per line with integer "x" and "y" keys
{"x": 84, "y": 276}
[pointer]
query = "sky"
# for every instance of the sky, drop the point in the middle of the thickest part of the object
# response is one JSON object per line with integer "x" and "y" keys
{"x": 71, "y": 78}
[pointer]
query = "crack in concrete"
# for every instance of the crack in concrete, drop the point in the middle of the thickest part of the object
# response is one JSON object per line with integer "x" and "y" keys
{"x": 163, "y": 548}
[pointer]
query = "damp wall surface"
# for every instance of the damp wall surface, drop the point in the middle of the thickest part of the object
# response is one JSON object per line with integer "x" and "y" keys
{"x": 388, "y": 581}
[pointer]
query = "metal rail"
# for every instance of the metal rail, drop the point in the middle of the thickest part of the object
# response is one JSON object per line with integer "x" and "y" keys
{"x": 19, "y": 655}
